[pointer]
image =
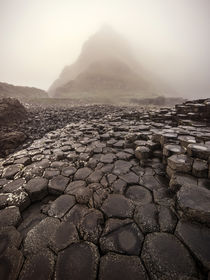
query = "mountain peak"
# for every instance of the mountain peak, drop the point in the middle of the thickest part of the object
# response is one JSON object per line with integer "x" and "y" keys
{"x": 106, "y": 65}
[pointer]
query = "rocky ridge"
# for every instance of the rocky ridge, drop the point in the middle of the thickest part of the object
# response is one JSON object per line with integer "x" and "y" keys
{"x": 118, "y": 193}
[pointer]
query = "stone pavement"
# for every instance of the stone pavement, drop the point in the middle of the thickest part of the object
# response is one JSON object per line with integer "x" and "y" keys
{"x": 126, "y": 196}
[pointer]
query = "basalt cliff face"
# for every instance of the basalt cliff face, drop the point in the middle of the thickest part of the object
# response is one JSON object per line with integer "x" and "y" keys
{"x": 106, "y": 67}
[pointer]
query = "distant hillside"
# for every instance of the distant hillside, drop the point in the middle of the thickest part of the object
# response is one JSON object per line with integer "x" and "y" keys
{"x": 8, "y": 90}
{"x": 106, "y": 67}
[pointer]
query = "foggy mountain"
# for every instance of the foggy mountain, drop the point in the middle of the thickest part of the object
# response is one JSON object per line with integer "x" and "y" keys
{"x": 106, "y": 67}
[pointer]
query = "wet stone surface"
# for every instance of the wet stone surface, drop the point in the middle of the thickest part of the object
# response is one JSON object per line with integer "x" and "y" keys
{"x": 116, "y": 193}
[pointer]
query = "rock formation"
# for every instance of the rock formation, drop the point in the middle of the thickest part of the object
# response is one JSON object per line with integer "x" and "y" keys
{"x": 21, "y": 92}
{"x": 117, "y": 193}
{"x": 106, "y": 67}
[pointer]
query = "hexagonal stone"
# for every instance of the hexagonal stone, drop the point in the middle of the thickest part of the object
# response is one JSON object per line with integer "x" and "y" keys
{"x": 65, "y": 235}
{"x": 117, "y": 205}
{"x": 82, "y": 173}
{"x": 149, "y": 182}
{"x": 61, "y": 206}
{"x": 37, "y": 188}
{"x": 24, "y": 160}
{"x": 185, "y": 140}
{"x": 197, "y": 239}
{"x": 58, "y": 184}
{"x": 163, "y": 196}
{"x": 179, "y": 180}
{"x": 74, "y": 185}
{"x": 10, "y": 238}
{"x": 180, "y": 163}
{"x": 91, "y": 225}
{"x": 169, "y": 150}
{"x": 200, "y": 168}
{"x": 108, "y": 158}
{"x": 146, "y": 217}
{"x": 49, "y": 173}
{"x": 124, "y": 156}
{"x": 19, "y": 198}
{"x": 37, "y": 239}
{"x": 39, "y": 266}
{"x": 11, "y": 262}
{"x": 138, "y": 194}
{"x": 32, "y": 171}
{"x": 95, "y": 176}
{"x": 166, "y": 257}
{"x": 10, "y": 171}
{"x": 125, "y": 239}
{"x": 79, "y": 261}
{"x": 142, "y": 153}
{"x": 117, "y": 267}
{"x": 194, "y": 203}
{"x": 68, "y": 171}
{"x": 199, "y": 151}
{"x": 121, "y": 167}
{"x": 82, "y": 194}
{"x": 130, "y": 178}
{"x": 76, "y": 214}
{"x": 167, "y": 219}
{"x": 119, "y": 186}
{"x": 14, "y": 185}
{"x": 10, "y": 216}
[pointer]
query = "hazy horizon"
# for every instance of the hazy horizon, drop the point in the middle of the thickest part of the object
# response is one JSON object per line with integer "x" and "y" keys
{"x": 170, "y": 38}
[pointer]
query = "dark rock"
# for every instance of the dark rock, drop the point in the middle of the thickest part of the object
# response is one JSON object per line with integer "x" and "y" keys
{"x": 65, "y": 235}
{"x": 167, "y": 219}
{"x": 199, "y": 151}
{"x": 200, "y": 168}
{"x": 121, "y": 167}
{"x": 197, "y": 239}
{"x": 11, "y": 262}
{"x": 10, "y": 238}
{"x": 57, "y": 184}
{"x": 37, "y": 188}
{"x": 10, "y": 216}
{"x": 37, "y": 239}
{"x": 68, "y": 171}
{"x": 10, "y": 171}
{"x": 91, "y": 225}
{"x": 166, "y": 257}
{"x": 139, "y": 195}
{"x": 39, "y": 266}
{"x": 179, "y": 180}
{"x": 49, "y": 173}
{"x": 76, "y": 214}
{"x": 61, "y": 206}
{"x": 194, "y": 203}
{"x": 146, "y": 217}
{"x": 124, "y": 239}
{"x": 82, "y": 173}
{"x": 117, "y": 205}
{"x": 117, "y": 267}
{"x": 79, "y": 261}
{"x": 180, "y": 163}
{"x": 119, "y": 186}
{"x": 130, "y": 178}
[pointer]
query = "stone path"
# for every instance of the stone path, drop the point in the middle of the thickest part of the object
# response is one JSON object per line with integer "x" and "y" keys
{"x": 123, "y": 197}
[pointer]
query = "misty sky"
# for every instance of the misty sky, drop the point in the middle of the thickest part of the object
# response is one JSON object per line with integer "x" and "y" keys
{"x": 170, "y": 37}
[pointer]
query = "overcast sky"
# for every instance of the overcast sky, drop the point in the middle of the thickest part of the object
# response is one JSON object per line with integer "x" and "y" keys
{"x": 40, "y": 37}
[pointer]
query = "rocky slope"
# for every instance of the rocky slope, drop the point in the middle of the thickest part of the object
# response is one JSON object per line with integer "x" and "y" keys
{"x": 21, "y": 92}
